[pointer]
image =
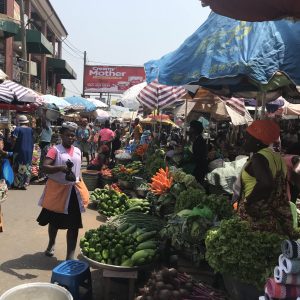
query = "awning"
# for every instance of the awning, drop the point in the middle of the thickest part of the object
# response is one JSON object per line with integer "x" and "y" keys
{"x": 36, "y": 42}
{"x": 8, "y": 28}
{"x": 61, "y": 67}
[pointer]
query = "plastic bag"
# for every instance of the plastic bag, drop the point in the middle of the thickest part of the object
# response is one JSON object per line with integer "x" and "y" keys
{"x": 7, "y": 172}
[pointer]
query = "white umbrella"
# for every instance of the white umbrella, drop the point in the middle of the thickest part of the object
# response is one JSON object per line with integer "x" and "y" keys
{"x": 97, "y": 103}
{"x": 129, "y": 98}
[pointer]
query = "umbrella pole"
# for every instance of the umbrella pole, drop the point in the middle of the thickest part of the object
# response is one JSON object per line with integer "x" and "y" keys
{"x": 263, "y": 105}
{"x": 256, "y": 110}
{"x": 185, "y": 121}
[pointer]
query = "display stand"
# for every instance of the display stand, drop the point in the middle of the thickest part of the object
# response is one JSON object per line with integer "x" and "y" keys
{"x": 107, "y": 275}
{"x": 107, "y": 272}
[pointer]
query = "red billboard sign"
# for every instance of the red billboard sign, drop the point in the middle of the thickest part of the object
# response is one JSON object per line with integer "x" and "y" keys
{"x": 111, "y": 79}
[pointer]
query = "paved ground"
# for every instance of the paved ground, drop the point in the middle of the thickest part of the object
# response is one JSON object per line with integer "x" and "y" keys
{"x": 23, "y": 242}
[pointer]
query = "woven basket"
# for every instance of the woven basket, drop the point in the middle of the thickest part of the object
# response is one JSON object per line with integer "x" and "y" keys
{"x": 91, "y": 179}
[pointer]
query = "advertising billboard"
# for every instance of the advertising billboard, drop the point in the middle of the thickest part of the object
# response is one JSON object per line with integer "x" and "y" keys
{"x": 112, "y": 79}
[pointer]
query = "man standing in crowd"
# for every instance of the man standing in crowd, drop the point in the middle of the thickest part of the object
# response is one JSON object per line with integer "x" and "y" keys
{"x": 199, "y": 151}
{"x": 83, "y": 136}
{"x": 45, "y": 143}
{"x": 137, "y": 131}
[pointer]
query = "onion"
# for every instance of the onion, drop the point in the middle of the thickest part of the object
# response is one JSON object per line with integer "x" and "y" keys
{"x": 160, "y": 285}
{"x": 164, "y": 295}
{"x": 173, "y": 272}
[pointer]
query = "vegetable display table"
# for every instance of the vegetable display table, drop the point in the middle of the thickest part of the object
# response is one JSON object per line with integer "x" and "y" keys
{"x": 107, "y": 272}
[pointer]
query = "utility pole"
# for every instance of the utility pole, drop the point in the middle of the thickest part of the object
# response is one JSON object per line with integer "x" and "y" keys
{"x": 24, "y": 46}
{"x": 84, "y": 64}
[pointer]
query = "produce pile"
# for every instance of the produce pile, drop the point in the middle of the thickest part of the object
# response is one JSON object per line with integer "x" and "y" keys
{"x": 128, "y": 246}
{"x": 127, "y": 172}
{"x": 161, "y": 182}
{"x": 236, "y": 249}
{"x": 146, "y": 222}
{"x": 109, "y": 202}
{"x": 138, "y": 205}
{"x": 155, "y": 161}
{"x": 169, "y": 284}
{"x": 106, "y": 172}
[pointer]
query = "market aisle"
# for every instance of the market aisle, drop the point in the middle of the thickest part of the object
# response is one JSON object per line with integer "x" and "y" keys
{"x": 23, "y": 241}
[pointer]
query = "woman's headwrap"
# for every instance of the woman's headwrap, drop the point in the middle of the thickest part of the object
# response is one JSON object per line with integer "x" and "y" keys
{"x": 69, "y": 125}
{"x": 266, "y": 131}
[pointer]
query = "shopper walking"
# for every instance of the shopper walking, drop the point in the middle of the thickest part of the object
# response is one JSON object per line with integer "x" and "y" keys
{"x": 106, "y": 135}
{"x": 22, "y": 144}
{"x": 83, "y": 137}
{"x": 65, "y": 195}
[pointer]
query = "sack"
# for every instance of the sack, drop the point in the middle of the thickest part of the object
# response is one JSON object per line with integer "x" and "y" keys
{"x": 7, "y": 172}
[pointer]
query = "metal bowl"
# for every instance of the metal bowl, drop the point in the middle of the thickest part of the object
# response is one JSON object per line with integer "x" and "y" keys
{"x": 97, "y": 265}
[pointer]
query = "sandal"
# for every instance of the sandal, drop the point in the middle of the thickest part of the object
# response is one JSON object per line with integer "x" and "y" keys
{"x": 49, "y": 253}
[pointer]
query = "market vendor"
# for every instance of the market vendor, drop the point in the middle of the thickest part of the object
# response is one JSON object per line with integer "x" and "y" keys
{"x": 199, "y": 150}
{"x": 263, "y": 199}
{"x": 65, "y": 195}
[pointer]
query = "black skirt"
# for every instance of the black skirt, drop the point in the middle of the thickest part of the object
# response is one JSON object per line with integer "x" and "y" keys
{"x": 72, "y": 220}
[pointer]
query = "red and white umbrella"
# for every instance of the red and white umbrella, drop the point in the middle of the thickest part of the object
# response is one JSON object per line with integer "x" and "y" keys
{"x": 19, "y": 91}
{"x": 158, "y": 96}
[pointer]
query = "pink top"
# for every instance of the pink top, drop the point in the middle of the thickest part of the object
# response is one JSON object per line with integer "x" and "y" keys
{"x": 53, "y": 152}
{"x": 106, "y": 135}
{"x": 60, "y": 155}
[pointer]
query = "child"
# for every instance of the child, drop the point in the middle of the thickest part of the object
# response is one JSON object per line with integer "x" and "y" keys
{"x": 101, "y": 159}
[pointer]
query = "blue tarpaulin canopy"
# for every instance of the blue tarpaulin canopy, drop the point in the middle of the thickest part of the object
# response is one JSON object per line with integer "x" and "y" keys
{"x": 75, "y": 100}
{"x": 233, "y": 57}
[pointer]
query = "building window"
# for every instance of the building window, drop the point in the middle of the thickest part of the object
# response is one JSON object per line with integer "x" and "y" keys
{"x": 2, "y": 6}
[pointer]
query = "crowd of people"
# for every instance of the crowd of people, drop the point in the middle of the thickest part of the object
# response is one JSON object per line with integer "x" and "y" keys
{"x": 269, "y": 182}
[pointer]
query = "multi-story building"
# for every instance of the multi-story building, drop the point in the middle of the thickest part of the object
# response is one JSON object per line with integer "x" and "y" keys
{"x": 44, "y": 37}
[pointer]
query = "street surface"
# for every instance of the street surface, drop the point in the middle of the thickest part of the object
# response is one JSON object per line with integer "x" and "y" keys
{"x": 23, "y": 242}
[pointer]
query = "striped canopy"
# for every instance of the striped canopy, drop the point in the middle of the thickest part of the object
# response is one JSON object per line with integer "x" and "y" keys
{"x": 158, "y": 96}
{"x": 6, "y": 95}
{"x": 16, "y": 89}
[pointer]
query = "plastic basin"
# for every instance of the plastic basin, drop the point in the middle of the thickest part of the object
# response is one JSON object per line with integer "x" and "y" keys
{"x": 37, "y": 291}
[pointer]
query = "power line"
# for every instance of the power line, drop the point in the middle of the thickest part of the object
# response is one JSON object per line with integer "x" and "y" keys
{"x": 74, "y": 46}
{"x": 75, "y": 51}
{"x": 69, "y": 90}
{"x": 113, "y": 64}
{"x": 76, "y": 88}
{"x": 78, "y": 57}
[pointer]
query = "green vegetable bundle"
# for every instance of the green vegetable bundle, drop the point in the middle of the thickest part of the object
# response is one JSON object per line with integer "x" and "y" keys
{"x": 109, "y": 202}
{"x": 155, "y": 161}
{"x": 193, "y": 197}
{"x": 189, "y": 199}
{"x": 138, "y": 205}
{"x": 147, "y": 222}
{"x": 128, "y": 246}
{"x": 235, "y": 249}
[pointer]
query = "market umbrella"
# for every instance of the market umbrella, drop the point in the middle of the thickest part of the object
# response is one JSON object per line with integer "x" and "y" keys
{"x": 98, "y": 103}
{"x": 79, "y": 101}
{"x": 60, "y": 102}
{"x": 288, "y": 109}
{"x": 235, "y": 58}
{"x": 255, "y": 10}
{"x": 16, "y": 89}
{"x": 129, "y": 97}
{"x": 156, "y": 96}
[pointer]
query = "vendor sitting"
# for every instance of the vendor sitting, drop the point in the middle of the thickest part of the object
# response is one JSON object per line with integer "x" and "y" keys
{"x": 101, "y": 159}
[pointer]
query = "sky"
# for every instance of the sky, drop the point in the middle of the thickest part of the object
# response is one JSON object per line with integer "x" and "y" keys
{"x": 118, "y": 32}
